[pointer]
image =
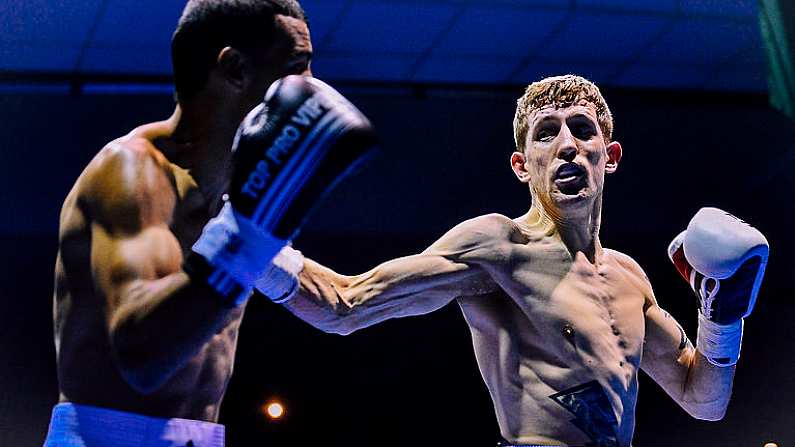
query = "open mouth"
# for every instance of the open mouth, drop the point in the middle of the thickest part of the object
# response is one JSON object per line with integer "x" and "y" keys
{"x": 570, "y": 178}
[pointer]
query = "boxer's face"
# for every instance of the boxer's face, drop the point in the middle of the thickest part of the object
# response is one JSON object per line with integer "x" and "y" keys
{"x": 565, "y": 158}
{"x": 289, "y": 53}
{"x": 293, "y": 47}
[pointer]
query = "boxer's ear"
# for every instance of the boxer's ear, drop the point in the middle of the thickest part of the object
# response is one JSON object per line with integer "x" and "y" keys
{"x": 614, "y": 152}
{"x": 232, "y": 65}
{"x": 519, "y": 167}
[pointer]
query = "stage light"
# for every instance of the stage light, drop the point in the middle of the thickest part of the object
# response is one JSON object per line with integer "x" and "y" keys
{"x": 274, "y": 410}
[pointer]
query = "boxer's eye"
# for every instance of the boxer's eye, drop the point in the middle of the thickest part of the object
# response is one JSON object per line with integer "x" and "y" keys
{"x": 584, "y": 132}
{"x": 545, "y": 135}
{"x": 582, "y": 127}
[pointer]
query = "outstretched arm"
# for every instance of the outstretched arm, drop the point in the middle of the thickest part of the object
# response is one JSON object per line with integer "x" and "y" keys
{"x": 453, "y": 266}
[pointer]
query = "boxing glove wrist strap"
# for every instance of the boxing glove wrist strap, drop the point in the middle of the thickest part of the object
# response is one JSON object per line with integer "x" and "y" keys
{"x": 280, "y": 281}
{"x": 231, "y": 292}
{"x": 238, "y": 252}
{"x": 719, "y": 343}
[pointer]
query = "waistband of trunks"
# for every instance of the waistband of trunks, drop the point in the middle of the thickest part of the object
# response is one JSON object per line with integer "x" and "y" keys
{"x": 75, "y": 425}
{"x": 505, "y": 444}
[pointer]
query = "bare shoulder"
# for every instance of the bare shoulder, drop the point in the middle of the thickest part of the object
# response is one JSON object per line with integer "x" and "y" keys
{"x": 485, "y": 237}
{"x": 127, "y": 185}
{"x": 625, "y": 260}
{"x": 487, "y": 226}
{"x": 635, "y": 272}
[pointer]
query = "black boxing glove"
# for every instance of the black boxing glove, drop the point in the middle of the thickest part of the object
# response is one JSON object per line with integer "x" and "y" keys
{"x": 289, "y": 152}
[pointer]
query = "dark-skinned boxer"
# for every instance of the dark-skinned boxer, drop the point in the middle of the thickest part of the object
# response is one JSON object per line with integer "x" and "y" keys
{"x": 154, "y": 270}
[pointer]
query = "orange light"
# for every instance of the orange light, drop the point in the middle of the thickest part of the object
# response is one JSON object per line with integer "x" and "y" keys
{"x": 274, "y": 410}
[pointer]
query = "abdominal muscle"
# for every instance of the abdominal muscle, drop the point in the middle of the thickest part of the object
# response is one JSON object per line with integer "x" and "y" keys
{"x": 559, "y": 349}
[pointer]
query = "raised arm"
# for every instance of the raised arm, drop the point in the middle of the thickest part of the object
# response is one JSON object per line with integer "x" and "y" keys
{"x": 723, "y": 259}
{"x": 699, "y": 387}
{"x": 453, "y": 266}
{"x": 158, "y": 318}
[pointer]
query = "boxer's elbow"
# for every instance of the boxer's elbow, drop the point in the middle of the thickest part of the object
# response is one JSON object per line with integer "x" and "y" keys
{"x": 338, "y": 324}
{"x": 711, "y": 417}
{"x": 706, "y": 411}
{"x": 341, "y": 328}
{"x": 144, "y": 381}
{"x": 139, "y": 365}
{"x": 707, "y": 415}
{"x": 141, "y": 374}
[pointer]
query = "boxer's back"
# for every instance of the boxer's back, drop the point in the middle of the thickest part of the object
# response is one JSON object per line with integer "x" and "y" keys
{"x": 560, "y": 345}
{"x": 88, "y": 373}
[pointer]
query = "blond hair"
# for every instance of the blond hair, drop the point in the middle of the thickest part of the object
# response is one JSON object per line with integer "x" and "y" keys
{"x": 559, "y": 91}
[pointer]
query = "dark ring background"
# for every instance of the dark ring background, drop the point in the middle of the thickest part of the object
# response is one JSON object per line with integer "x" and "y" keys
{"x": 445, "y": 158}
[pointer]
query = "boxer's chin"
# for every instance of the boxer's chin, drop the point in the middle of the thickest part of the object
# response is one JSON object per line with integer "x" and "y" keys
{"x": 572, "y": 191}
{"x": 571, "y": 201}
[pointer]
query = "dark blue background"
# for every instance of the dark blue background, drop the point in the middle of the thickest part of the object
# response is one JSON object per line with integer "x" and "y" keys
{"x": 697, "y": 44}
{"x": 439, "y": 78}
{"x": 445, "y": 159}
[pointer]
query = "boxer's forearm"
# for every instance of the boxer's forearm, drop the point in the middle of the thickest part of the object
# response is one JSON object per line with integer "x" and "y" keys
{"x": 411, "y": 285}
{"x": 341, "y": 304}
{"x": 707, "y": 388}
{"x": 161, "y": 324}
{"x": 699, "y": 387}
{"x": 406, "y": 286}
{"x": 318, "y": 300}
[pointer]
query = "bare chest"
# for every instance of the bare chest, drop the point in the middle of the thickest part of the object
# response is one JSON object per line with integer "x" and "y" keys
{"x": 592, "y": 312}
{"x": 560, "y": 330}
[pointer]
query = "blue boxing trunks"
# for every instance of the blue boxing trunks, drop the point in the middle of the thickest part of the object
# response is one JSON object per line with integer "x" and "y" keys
{"x": 74, "y": 425}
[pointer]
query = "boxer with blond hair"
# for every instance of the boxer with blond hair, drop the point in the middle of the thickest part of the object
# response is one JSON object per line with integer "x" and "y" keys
{"x": 560, "y": 324}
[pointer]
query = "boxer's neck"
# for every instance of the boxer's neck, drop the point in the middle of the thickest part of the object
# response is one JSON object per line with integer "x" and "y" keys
{"x": 203, "y": 134}
{"x": 578, "y": 231}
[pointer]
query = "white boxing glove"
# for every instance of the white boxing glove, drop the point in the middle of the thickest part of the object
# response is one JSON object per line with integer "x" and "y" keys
{"x": 723, "y": 259}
